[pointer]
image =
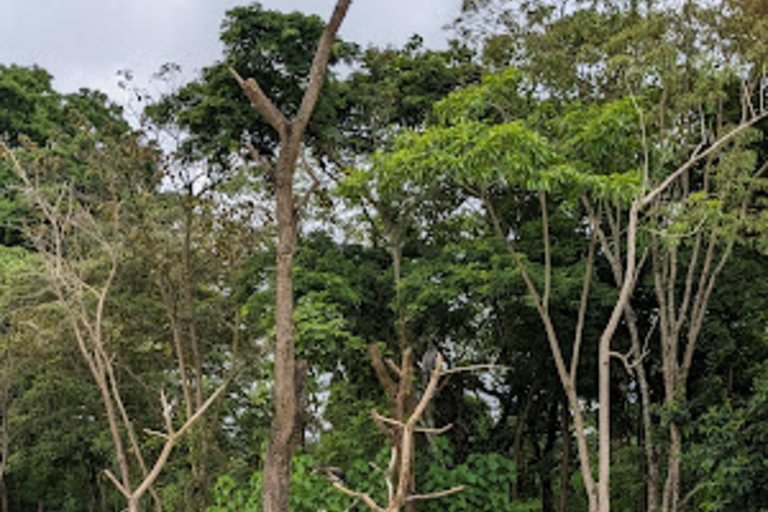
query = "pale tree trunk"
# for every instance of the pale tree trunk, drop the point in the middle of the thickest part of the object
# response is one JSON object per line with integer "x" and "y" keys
{"x": 399, "y": 474}
{"x": 671, "y": 497}
{"x": 565, "y": 462}
{"x": 611, "y": 246}
{"x": 401, "y": 327}
{"x": 568, "y": 377}
{"x": 277, "y": 464}
{"x": 84, "y": 305}
{"x": 697, "y": 289}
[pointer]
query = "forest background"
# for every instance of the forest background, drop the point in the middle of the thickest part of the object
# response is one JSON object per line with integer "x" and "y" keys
{"x": 525, "y": 272}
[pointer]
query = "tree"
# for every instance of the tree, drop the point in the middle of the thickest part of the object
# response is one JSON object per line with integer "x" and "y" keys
{"x": 288, "y": 209}
{"x": 78, "y": 240}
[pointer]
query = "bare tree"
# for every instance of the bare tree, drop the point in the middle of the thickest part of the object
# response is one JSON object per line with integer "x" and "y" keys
{"x": 277, "y": 466}
{"x": 403, "y": 427}
{"x": 79, "y": 247}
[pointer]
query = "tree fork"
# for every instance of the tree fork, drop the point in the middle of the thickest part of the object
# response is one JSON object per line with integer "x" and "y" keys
{"x": 277, "y": 465}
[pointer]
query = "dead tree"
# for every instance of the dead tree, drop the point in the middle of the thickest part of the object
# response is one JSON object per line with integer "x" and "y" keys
{"x": 401, "y": 429}
{"x": 277, "y": 465}
{"x": 80, "y": 254}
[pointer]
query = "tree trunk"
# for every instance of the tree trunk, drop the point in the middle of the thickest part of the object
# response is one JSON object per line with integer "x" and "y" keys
{"x": 200, "y": 445}
{"x": 277, "y": 465}
{"x": 565, "y": 470}
{"x": 604, "y": 426}
{"x": 114, "y": 430}
{"x": 3, "y": 495}
{"x": 672, "y": 485}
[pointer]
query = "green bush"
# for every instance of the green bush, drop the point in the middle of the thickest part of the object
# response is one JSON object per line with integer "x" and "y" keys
{"x": 487, "y": 478}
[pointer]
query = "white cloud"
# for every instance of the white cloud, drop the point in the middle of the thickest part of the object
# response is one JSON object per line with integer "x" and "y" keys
{"x": 84, "y": 42}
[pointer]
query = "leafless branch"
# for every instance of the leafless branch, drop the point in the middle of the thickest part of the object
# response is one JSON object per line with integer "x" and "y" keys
{"x": 320, "y": 66}
{"x": 696, "y": 157}
{"x": 262, "y": 103}
{"x": 117, "y": 483}
{"x": 366, "y": 498}
{"x": 473, "y": 368}
{"x": 438, "y": 494}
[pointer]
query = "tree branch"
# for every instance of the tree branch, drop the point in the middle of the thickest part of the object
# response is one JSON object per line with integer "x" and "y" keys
{"x": 319, "y": 67}
{"x": 262, "y": 103}
{"x": 438, "y": 494}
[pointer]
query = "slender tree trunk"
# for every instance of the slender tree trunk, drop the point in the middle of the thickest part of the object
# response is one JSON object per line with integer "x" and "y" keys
{"x": 200, "y": 445}
{"x": 672, "y": 484}
{"x": 117, "y": 440}
{"x": 651, "y": 456}
{"x": 565, "y": 470}
{"x": 604, "y": 424}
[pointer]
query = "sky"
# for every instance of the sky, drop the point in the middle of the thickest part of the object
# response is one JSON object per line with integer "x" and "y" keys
{"x": 83, "y": 43}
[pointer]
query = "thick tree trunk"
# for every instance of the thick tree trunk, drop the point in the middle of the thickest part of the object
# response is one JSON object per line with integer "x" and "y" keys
{"x": 277, "y": 465}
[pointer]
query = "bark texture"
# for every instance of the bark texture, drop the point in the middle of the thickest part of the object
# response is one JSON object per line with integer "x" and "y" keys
{"x": 277, "y": 464}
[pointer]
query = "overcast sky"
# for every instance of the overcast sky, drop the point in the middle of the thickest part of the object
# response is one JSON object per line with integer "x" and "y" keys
{"x": 84, "y": 42}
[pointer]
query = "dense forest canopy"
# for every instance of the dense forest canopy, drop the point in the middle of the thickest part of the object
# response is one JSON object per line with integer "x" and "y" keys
{"x": 526, "y": 272}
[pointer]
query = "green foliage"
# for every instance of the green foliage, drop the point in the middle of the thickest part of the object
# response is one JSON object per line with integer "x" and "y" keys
{"x": 487, "y": 477}
{"x": 602, "y": 101}
{"x": 730, "y": 455}
{"x": 310, "y": 490}
{"x": 472, "y": 152}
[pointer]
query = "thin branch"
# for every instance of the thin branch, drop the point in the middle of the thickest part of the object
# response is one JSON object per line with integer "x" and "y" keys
{"x": 583, "y": 301}
{"x": 117, "y": 483}
{"x": 156, "y": 433}
{"x": 381, "y": 372}
{"x": 359, "y": 495}
{"x": 652, "y": 195}
{"x": 257, "y": 157}
{"x": 312, "y": 189}
{"x": 474, "y": 368}
{"x": 547, "y": 249}
{"x": 400, "y": 424}
{"x": 438, "y": 494}
{"x": 392, "y": 366}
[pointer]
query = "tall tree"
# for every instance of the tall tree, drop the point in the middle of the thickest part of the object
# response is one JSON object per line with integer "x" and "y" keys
{"x": 277, "y": 467}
